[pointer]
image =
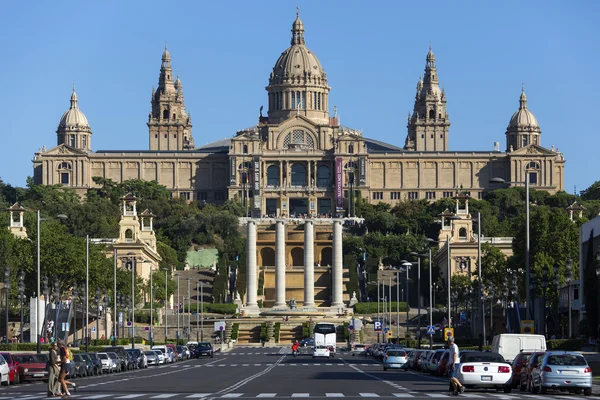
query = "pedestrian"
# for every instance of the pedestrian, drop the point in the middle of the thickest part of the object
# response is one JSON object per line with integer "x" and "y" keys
{"x": 65, "y": 365}
{"x": 53, "y": 367}
{"x": 454, "y": 360}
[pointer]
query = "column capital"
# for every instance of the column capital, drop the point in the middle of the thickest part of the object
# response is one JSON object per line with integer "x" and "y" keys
{"x": 309, "y": 220}
{"x": 281, "y": 220}
{"x": 338, "y": 221}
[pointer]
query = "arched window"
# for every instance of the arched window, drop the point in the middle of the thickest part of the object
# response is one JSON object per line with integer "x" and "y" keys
{"x": 165, "y": 114}
{"x": 245, "y": 149}
{"x": 245, "y": 171}
{"x": 64, "y": 173}
{"x": 273, "y": 175}
{"x": 462, "y": 233}
{"x": 72, "y": 141}
{"x": 432, "y": 114}
{"x": 525, "y": 142}
{"x": 298, "y": 140}
{"x": 533, "y": 169}
{"x": 267, "y": 255}
{"x": 129, "y": 236}
{"x": 351, "y": 148}
{"x": 297, "y": 254}
{"x": 351, "y": 165}
{"x": 323, "y": 176}
{"x": 298, "y": 175}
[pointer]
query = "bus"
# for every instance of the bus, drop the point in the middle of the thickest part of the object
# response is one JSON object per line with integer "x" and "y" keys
{"x": 325, "y": 337}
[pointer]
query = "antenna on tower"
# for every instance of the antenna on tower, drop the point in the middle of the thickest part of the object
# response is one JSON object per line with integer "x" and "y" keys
{"x": 575, "y": 190}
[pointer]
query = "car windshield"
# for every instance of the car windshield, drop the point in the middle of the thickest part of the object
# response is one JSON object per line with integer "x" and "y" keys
{"x": 150, "y": 353}
{"x": 481, "y": 357}
{"x": 103, "y": 356}
{"x": 566, "y": 360}
{"x": 42, "y": 357}
{"x": 204, "y": 345}
{"x": 76, "y": 357}
{"x": 324, "y": 328}
{"x": 395, "y": 353}
{"x": 26, "y": 358}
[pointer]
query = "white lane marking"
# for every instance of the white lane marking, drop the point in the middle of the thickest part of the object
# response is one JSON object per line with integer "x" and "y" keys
{"x": 402, "y": 395}
{"x": 234, "y": 365}
{"x": 164, "y": 396}
{"x": 368, "y": 395}
{"x": 471, "y": 395}
{"x": 98, "y": 396}
{"x": 232, "y": 395}
{"x": 300, "y": 394}
{"x": 435, "y": 395}
{"x": 129, "y": 396}
{"x": 267, "y": 395}
{"x": 197, "y": 395}
{"x": 245, "y": 365}
{"x": 334, "y": 394}
{"x": 251, "y": 378}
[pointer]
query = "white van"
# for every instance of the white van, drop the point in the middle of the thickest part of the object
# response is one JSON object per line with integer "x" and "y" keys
{"x": 508, "y": 345}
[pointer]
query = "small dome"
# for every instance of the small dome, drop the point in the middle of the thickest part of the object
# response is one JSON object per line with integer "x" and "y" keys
{"x": 523, "y": 118}
{"x": 73, "y": 119}
{"x": 166, "y": 55}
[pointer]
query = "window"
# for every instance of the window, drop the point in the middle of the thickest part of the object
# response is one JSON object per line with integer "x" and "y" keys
{"x": 432, "y": 114}
{"x": 298, "y": 140}
{"x": 422, "y": 136}
{"x": 413, "y": 195}
{"x": 533, "y": 178}
{"x": 245, "y": 149}
{"x": 462, "y": 233}
{"x": 156, "y": 136}
{"x": 324, "y": 206}
{"x": 165, "y": 135}
{"x": 184, "y": 195}
{"x": 430, "y": 195}
{"x": 345, "y": 194}
{"x": 479, "y": 195}
{"x": 377, "y": 195}
{"x": 318, "y": 101}
{"x": 524, "y": 141}
{"x": 219, "y": 196}
{"x": 395, "y": 196}
{"x": 84, "y": 142}
{"x": 323, "y": 176}
{"x": 64, "y": 178}
{"x": 576, "y": 292}
{"x": 165, "y": 114}
{"x": 72, "y": 140}
{"x": 174, "y": 136}
{"x": 535, "y": 140}
{"x": 448, "y": 194}
{"x": 351, "y": 148}
{"x": 298, "y": 175}
{"x": 273, "y": 175}
{"x": 202, "y": 196}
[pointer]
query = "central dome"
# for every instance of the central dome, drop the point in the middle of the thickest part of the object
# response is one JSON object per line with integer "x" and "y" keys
{"x": 297, "y": 64}
{"x": 523, "y": 118}
{"x": 73, "y": 119}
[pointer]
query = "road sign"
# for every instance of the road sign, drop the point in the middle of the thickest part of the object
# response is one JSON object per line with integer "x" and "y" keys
{"x": 220, "y": 326}
{"x": 128, "y": 323}
{"x": 377, "y": 325}
{"x": 350, "y": 328}
{"x": 146, "y": 329}
{"x": 527, "y": 326}
{"x": 448, "y": 332}
{"x": 93, "y": 329}
{"x": 431, "y": 330}
{"x": 389, "y": 334}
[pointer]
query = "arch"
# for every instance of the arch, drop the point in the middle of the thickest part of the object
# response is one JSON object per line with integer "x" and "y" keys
{"x": 273, "y": 175}
{"x": 351, "y": 148}
{"x": 326, "y": 256}
{"x": 298, "y": 174}
{"x": 351, "y": 165}
{"x": 165, "y": 114}
{"x": 323, "y": 176}
{"x": 297, "y": 254}
{"x": 462, "y": 233}
{"x": 432, "y": 114}
{"x": 297, "y": 139}
{"x": 129, "y": 236}
{"x": 267, "y": 257}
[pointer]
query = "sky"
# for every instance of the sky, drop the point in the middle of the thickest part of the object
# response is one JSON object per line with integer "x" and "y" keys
{"x": 372, "y": 52}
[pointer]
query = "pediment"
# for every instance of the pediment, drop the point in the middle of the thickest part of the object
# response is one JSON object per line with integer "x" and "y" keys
{"x": 63, "y": 149}
{"x": 350, "y": 137}
{"x": 533, "y": 149}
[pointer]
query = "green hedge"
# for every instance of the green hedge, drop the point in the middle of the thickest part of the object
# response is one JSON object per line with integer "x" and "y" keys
{"x": 235, "y": 330}
{"x": 565, "y": 344}
{"x": 371, "y": 308}
{"x": 277, "y": 330}
{"x": 213, "y": 308}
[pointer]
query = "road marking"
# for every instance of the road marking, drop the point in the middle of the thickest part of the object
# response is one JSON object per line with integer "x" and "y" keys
{"x": 98, "y": 396}
{"x": 257, "y": 365}
{"x": 267, "y": 395}
{"x": 334, "y": 394}
{"x": 251, "y": 378}
{"x": 300, "y": 394}
{"x": 245, "y": 365}
{"x": 231, "y": 395}
{"x": 197, "y": 395}
{"x": 435, "y": 395}
{"x": 471, "y": 395}
{"x": 402, "y": 395}
{"x": 164, "y": 396}
{"x": 130, "y": 396}
{"x": 368, "y": 395}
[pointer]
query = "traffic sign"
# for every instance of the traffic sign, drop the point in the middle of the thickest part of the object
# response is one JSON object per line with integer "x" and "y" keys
{"x": 431, "y": 330}
{"x": 389, "y": 334}
{"x": 220, "y": 326}
{"x": 93, "y": 329}
{"x": 448, "y": 332}
{"x": 350, "y": 328}
{"x": 377, "y": 326}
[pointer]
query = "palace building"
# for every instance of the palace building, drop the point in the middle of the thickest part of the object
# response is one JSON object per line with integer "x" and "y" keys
{"x": 298, "y": 160}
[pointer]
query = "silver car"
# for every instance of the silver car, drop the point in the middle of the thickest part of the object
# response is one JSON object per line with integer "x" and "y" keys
{"x": 152, "y": 357}
{"x": 395, "y": 359}
{"x": 562, "y": 370}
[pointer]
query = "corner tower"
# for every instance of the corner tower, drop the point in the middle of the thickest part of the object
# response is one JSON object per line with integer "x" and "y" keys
{"x": 170, "y": 127}
{"x": 298, "y": 83}
{"x": 523, "y": 128}
{"x": 429, "y": 125}
{"x": 73, "y": 128}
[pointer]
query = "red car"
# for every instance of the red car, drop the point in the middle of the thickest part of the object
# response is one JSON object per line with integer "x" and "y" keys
{"x": 443, "y": 363}
{"x": 524, "y": 383}
{"x": 518, "y": 364}
{"x": 13, "y": 376}
{"x": 30, "y": 367}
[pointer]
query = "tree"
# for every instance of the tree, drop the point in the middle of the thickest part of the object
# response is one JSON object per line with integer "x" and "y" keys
{"x": 494, "y": 266}
{"x": 592, "y": 192}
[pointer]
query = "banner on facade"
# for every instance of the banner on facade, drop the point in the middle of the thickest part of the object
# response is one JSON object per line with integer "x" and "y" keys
{"x": 362, "y": 172}
{"x": 339, "y": 193}
{"x": 232, "y": 171}
{"x": 256, "y": 186}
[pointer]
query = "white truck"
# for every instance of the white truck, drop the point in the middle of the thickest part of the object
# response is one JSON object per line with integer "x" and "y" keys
{"x": 510, "y": 344}
{"x": 325, "y": 338}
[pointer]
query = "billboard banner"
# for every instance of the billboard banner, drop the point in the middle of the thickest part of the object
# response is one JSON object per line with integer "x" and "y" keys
{"x": 362, "y": 171}
{"x": 233, "y": 171}
{"x": 339, "y": 177}
{"x": 256, "y": 184}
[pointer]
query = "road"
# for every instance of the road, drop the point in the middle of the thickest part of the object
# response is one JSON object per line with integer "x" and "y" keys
{"x": 246, "y": 372}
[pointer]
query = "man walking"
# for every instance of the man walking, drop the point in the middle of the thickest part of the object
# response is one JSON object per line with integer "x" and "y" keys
{"x": 454, "y": 360}
{"x": 53, "y": 372}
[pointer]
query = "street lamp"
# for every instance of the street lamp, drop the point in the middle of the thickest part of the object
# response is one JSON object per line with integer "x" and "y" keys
{"x": 569, "y": 279}
{"x": 544, "y": 287}
{"x": 529, "y": 309}
{"x": 151, "y": 308}
{"x": 450, "y": 218}
{"x": 21, "y": 298}
{"x": 414, "y": 253}
{"x": 97, "y": 313}
{"x": 201, "y": 310}
{"x": 177, "y": 332}
{"x": 406, "y": 265}
{"x": 75, "y": 293}
{"x": 7, "y": 289}
{"x": 532, "y": 281}
{"x": 46, "y": 291}
{"x": 189, "y": 296}
{"x": 166, "y": 317}
{"x": 37, "y": 300}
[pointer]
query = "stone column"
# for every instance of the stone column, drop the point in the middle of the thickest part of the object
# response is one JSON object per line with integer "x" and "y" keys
{"x": 280, "y": 263}
{"x": 337, "y": 270}
{"x": 309, "y": 264}
{"x": 251, "y": 268}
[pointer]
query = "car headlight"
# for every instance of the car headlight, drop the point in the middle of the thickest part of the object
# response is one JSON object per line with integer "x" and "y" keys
{"x": 26, "y": 370}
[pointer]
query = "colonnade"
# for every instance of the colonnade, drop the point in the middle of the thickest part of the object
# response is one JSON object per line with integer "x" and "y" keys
{"x": 280, "y": 266}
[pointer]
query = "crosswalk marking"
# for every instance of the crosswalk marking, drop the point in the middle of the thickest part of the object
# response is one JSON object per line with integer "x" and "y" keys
{"x": 164, "y": 396}
{"x": 300, "y": 394}
{"x": 232, "y": 395}
{"x": 267, "y": 395}
{"x": 129, "y": 396}
{"x": 435, "y": 395}
{"x": 197, "y": 395}
{"x": 334, "y": 394}
{"x": 368, "y": 395}
{"x": 98, "y": 396}
{"x": 402, "y": 395}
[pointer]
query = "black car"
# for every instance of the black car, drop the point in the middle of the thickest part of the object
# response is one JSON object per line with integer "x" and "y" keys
{"x": 96, "y": 363}
{"x": 308, "y": 342}
{"x": 138, "y": 357}
{"x": 204, "y": 349}
{"x": 120, "y": 352}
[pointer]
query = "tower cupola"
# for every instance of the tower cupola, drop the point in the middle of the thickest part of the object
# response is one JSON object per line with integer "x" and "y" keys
{"x": 523, "y": 128}
{"x": 73, "y": 128}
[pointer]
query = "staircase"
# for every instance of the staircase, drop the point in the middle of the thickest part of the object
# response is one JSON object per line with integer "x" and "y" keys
{"x": 290, "y": 333}
{"x": 249, "y": 334}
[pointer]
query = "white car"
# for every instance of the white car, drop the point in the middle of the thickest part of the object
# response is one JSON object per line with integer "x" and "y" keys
{"x": 321, "y": 351}
{"x": 161, "y": 356}
{"x": 107, "y": 363}
{"x": 4, "y": 372}
{"x": 484, "y": 370}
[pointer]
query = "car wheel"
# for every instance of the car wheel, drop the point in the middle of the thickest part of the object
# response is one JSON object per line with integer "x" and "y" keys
{"x": 578, "y": 391}
{"x": 587, "y": 391}
{"x": 384, "y": 368}
{"x": 7, "y": 383}
{"x": 543, "y": 390}
{"x": 17, "y": 379}
{"x": 507, "y": 389}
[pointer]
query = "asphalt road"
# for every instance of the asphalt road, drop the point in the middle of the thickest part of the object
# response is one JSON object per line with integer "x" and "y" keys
{"x": 245, "y": 373}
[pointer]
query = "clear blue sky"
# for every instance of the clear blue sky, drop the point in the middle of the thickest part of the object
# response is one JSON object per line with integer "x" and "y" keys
{"x": 373, "y": 53}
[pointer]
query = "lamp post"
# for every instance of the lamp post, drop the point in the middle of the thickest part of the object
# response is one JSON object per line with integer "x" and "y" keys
{"x": 177, "y": 332}
{"x": 447, "y": 241}
{"x": 529, "y": 308}
{"x": 46, "y": 291}
{"x": 189, "y": 308}
{"x": 151, "y": 309}
{"x": 480, "y": 282}
{"x": 75, "y": 294}
{"x": 532, "y": 284}
{"x": 406, "y": 265}
{"x": 133, "y": 268}
{"x": 6, "y": 289}
{"x": 544, "y": 287}
{"x": 166, "y": 319}
{"x": 197, "y": 311}
{"x": 57, "y": 300}
{"x": 37, "y": 300}
{"x": 569, "y": 279}
{"x": 491, "y": 296}
{"x": 414, "y": 253}
{"x": 97, "y": 313}
{"x": 21, "y": 298}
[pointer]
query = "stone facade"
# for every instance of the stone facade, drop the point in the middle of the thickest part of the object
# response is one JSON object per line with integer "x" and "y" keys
{"x": 298, "y": 159}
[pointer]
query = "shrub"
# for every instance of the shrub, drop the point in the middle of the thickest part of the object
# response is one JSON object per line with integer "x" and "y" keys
{"x": 371, "y": 308}
{"x": 565, "y": 344}
{"x": 276, "y": 331}
{"x": 235, "y": 330}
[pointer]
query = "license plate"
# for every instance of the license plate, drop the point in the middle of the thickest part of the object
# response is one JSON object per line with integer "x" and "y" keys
{"x": 568, "y": 372}
{"x": 38, "y": 375}
{"x": 486, "y": 378}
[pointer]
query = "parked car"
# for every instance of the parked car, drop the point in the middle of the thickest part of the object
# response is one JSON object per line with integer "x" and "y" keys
{"x": 30, "y": 368}
{"x": 12, "y": 367}
{"x": 122, "y": 356}
{"x": 358, "y": 349}
{"x": 131, "y": 360}
{"x": 167, "y": 354}
{"x": 96, "y": 364}
{"x": 138, "y": 358}
{"x": 508, "y": 345}
{"x": 484, "y": 370}
{"x": 562, "y": 370}
{"x": 443, "y": 363}
{"x": 432, "y": 366}
{"x": 151, "y": 357}
{"x": 162, "y": 358}
{"x": 422, "y": 360}
{"x": 518, "y": 364}
{"x": 181, "y": 355}
{"x": 172, "y": 350}
{"x": 4, "y": 371}
{"x": 80, "y": 364}
{"x": 117, "y": 361}
{"x": 108, "y": 364}
{"x": 395, "y": 359}
{"x": 204, "y": 349}
{"x": 525, "y": 380}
